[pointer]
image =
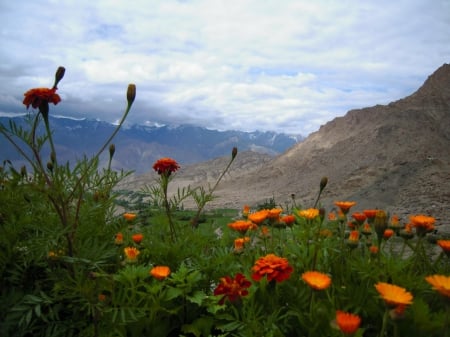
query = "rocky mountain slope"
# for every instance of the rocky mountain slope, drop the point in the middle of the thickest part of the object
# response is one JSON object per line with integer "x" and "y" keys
{"x": 395, "y": 157}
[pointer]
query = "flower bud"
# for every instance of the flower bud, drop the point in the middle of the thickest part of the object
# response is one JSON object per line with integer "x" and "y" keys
{"x": 323, "y": 183}
{"x": 112, "y": 150}
{"x": 234, "y": 152}
{"x": 50, "y": 166}
{"x": 59, "y": 75}
{"x": 380, "y": 223}
{"x": 131, "y": 93}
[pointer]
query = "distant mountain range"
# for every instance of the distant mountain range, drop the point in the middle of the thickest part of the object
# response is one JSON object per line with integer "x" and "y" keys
{"x": 139, "y": 146}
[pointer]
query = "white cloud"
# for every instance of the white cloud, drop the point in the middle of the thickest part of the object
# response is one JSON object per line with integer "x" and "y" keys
{"x": 269, "y": 65}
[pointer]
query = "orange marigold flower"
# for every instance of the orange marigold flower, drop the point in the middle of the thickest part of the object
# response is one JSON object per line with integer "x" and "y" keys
{"x": 131, "y": 254}
{"x": 325, "y": 233}
{"x": 423, "y": 223}
{"x": 316, "y": 280}
{"x": 310, "y": 213}
{"x": 129, "y": 216}
{"x": 445, "y": 245}
{"x": 388, "y": 233}
{"x": 137, "y": 238}
{"x": 101, "y": 297}
{"x": 35, "y": 97}
{"x": 373, "y": 250}
{"x": 367, "y": 229}
{"x": 345, "y": 206}
{"x": 370, "y": 213}
{"x": 274, "y": 213}
{"x": 332, "y": 216}
{"x": 359, "y": 217}
{"x": 440, "y": 283}
{"x": 245, "y": 210}
{"x": 239, "y": 243}
{"x": 354, "y": 236}
{"x": 274, "y": 267}
{"x": 258, "y": 216}
{"x": 119, "y": 239}
{"x": 394, "y": 295}
{"x": 265, "y": 231}
{"x": 348, "y": 323}
{"x": 160, "y": 272}
{"x": 165, "y": 166}
{"x": 232, "y": 288}
{"x": 241, "y": 226}
{"x": 289, "y": 219}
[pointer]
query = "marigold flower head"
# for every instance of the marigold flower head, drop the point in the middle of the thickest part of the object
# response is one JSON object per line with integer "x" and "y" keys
{"x": 359, "y": 217}
{"x": 119, "y": 239}
{"x": 274, "y": 213}
{"x": 394, "y": 295}
{"x": 445, "y": 245}
{"x": 348, "y": 323}
{"x": 370, "y": 213}
{"x": 36, "y": 97}
{"x": 259, "y": 216}
{"x": 129, "y": 216}
{"x": 131, "y": 254}
{"x": 245, "y": 210}
{"x": 345, "y": 206}
{"x": 353, "y": 239}
{"x": 310, "y": 213}
{"x": 373, "y": 250}
{"x": 440, "y": 283}
{"x": 160, "y": 272}
{"x": 232, "y": 288}
{"x": 165, "y": 166}
{"x": 388, "y": 233}
{"x": 289, "y": 219}
{"x": 137, "y": 238}
{"x": 316, "y": 280}
{"x": 332, "y": 216}
{"x": 367, "y": 229}
{"x": 242, "y": 226}
{"x": 239, "y": 243}
{"x": 101, "y": 297}
{"x": 274, "y": 267}
{"x": 265, "y": 231}
{"x": 422, "y": 223}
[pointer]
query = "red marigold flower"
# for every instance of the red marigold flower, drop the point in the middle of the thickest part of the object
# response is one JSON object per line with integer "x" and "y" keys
{"x": 288, "y": 219}
{"x": 348, "y": 323}
{"x": 274, "y": 267}
{"x": 373, "y": 250}
{"x": 242, "y": 226}
{"x": 232, "y": 288}
{"x": 345, "y": 206}
{"x": 316, "y": 280}
{"x": 35, "y": 97}
{"x": 165, "y": 166}
{"x": 388, "y": 233}
{"x": 370, "y": 213}
{"x": 359, "y": 217}
{"x": 137, "y": 238}
{"x": 160, "y": 272}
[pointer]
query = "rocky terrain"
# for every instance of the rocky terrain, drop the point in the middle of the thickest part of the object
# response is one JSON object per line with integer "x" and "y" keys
{"x": 395, "y": 157}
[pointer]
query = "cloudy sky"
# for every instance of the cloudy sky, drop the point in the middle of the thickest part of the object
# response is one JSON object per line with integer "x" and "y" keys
{"x": 286, "y": 66}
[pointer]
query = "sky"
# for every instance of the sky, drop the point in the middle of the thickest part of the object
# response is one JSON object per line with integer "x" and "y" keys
{"x": 268, "y": 65}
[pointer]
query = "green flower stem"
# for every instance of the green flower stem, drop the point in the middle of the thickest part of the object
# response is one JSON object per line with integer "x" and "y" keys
{"x": 385, "y": 320}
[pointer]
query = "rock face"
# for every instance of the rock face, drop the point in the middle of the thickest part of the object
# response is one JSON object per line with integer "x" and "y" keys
{"x": 395, "y": 157}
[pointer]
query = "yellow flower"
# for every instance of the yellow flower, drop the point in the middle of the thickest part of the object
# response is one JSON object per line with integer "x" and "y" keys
{"x": 310, "y": 213}
{"x": 316, "y": 280}
{"x": 394, "y": 295}
{"x": 160, "y": 272}
{"x": 131, "y": 254}
{"x": 440, "y": 283}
